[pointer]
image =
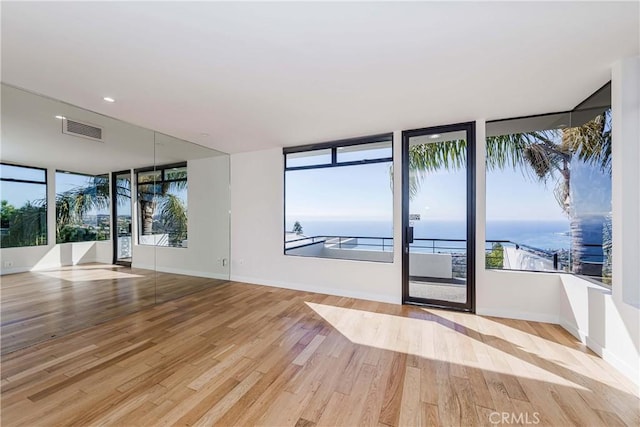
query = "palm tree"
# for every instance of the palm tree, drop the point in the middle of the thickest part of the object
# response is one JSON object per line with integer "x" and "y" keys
{"x": 72, "y": 205}
{"x": 159, "y": 196}
{"x": 153, "y": 197}
{"x": 543, "y": 155}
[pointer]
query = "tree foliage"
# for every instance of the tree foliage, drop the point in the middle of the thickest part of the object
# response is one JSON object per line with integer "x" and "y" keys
{"x": 23, "y": 226}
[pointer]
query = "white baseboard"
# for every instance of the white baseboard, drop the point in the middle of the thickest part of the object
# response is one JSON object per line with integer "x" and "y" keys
{"x": 594, "y": 346}
{"x": 625, "y": 369}
{"x": 573, "y": 330}
{"x": 195, "y": 273}
{"x": 606, "y": 355}
{"x": 519, "y": 315}
{"x": 319, "y": 289}
{"x": 39, "y": 267}
{"x": 14, "y": 270}
{"x": 143, "y": 266}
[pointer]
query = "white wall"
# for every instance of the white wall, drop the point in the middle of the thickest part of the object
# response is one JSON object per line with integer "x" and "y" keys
{"x": 607, "y": 321}
{"x": 208, "y": 226}
{"x": 34, "y": 258}
{"x": 621, "y": 344}
{"x": 257, "y": 203}
{"x": 257, "y": 229}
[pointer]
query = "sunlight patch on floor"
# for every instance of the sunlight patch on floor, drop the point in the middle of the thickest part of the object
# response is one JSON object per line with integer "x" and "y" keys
{"x": 89, "y": 275}
{"x": 416, "y": 337}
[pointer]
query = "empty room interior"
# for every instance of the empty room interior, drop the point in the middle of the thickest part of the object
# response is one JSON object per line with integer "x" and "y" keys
{"x": 320, "y": 214}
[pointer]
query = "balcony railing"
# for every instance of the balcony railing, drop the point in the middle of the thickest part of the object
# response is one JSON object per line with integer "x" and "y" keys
{"x": 500, "y": 254}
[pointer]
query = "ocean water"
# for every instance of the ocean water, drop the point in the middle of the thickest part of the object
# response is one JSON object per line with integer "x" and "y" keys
{"x": 546, "y": 235}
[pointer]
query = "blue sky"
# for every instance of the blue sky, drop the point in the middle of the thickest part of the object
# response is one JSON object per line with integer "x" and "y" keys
{"x": 346, "y": 192}
{"x": 17, "y": 194}
{"x": 364, "y": 193}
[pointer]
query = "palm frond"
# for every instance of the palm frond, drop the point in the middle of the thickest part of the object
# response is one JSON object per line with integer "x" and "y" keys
{"x": 591, "y": 142}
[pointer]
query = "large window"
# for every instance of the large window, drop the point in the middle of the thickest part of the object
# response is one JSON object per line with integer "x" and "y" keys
{"x": 549, "y": 191}
{"x": 82, "y": 207}
{"x": 162, "y": 202}
{"x": 23, "y": 213}
{"x": 338, "y": 200}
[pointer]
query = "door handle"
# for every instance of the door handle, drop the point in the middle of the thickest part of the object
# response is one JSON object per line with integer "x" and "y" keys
{"x": 409, "y": 235}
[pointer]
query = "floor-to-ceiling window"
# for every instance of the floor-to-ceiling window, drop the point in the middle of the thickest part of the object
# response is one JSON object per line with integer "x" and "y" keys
{"x": 549, "y": 191}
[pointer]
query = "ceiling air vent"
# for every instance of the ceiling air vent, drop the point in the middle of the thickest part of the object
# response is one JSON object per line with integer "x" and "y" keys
{"x": 84, "y": 130}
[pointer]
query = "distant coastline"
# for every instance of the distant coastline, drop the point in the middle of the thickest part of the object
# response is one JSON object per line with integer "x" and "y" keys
{"x": 547, "y": 235}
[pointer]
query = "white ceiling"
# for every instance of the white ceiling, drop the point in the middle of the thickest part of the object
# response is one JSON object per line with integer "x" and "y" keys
{"x": 32, "y": 136}
{"x": 260, "y": 75}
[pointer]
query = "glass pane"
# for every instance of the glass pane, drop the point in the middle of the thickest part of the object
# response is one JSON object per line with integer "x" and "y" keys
{"x": 175, "y": 173}
{"x": 149, "y": 176}
{"x": 309, "y": 158}
{"x": 82, "y": 207}
{"x": 549, "y": 192}
{"x": 340, "y": 212}
{"x": 355, "y": 153}
{"x": 163, "y": 214}
{"x": 438, "y": 215}
{"x": 23, "y": 214}
{"x": 19, "y": 172}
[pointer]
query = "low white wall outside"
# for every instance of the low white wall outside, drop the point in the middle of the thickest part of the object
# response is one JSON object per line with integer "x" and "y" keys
{"x": 430, "y": 265}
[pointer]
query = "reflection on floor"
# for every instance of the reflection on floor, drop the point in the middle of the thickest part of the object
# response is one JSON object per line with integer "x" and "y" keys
{"x": 245, "y": 355}
{"x": 37, "y": 306}
{"x": 438, "y": 291}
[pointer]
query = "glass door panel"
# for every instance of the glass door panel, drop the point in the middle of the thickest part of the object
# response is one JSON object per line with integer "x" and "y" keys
{"x": 438, "y": 211}
{"x": 122, "y": 217}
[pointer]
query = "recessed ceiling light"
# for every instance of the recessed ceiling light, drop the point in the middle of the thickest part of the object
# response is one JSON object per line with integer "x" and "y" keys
{"x": 434, "y": 136}
{"x": 108, "y": 99}
{"x": 204, "y": 134}
{"x": 60, "y": 117}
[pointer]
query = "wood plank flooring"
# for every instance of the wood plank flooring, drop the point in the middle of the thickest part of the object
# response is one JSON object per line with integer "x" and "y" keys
{"x": 239, "y": 354}
{"x": 37, "y": 306}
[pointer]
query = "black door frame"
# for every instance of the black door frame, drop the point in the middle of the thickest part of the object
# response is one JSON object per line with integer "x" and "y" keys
{"x": 470, "y": 128}
{"x": 114, "y": 215}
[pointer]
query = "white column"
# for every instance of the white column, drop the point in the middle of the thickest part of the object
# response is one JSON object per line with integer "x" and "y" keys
{"x": 625, "y": 102}
{"x": 51, "y": 207}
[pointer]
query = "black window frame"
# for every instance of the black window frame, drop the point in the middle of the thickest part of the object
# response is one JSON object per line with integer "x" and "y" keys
{"x": 333, "y": 146}
{"x": 46, "y": 192}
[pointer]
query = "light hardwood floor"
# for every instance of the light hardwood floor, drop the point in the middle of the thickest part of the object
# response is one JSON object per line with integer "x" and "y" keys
{"x": 240, "y": 354}
{"x": 37, "y": 306}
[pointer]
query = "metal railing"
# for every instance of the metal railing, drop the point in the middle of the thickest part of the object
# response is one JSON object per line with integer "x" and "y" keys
{"x": 494, "y": 249}
{"x": 343, "y": 242}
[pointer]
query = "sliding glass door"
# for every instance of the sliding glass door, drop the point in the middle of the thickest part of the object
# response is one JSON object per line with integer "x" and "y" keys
{"x": 438, "y": 216}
